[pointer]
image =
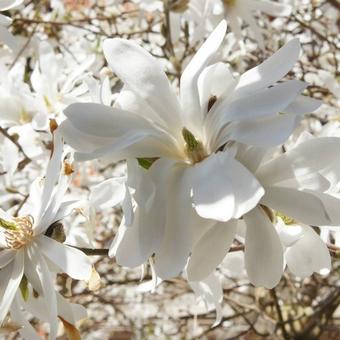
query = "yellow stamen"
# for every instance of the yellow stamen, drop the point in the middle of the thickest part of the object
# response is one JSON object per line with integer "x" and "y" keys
{"x": 21, "y": 235}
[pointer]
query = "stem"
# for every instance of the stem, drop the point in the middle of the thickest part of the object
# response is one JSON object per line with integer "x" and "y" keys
{"x": 279, "y": 314}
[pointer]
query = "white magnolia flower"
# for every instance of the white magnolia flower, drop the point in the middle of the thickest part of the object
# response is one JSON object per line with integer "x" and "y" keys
{"x": 56, "y": 84}
{"x": 293, "y": 187}
{"x": 28, "y": 254}
{"x": 194, "y": 179}
{"x": 238, "y": 11}
{"x": 6, "y": 37}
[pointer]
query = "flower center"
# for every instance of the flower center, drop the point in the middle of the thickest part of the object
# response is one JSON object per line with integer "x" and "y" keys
{"x": 19, "y": 232}
{"x": 194, "y": 149}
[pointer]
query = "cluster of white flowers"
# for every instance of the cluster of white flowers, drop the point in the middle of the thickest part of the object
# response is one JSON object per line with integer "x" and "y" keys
{"x": 217, "y": 158}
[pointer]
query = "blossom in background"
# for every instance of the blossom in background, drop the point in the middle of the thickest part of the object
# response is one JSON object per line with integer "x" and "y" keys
{"x": 188, "y": 144}
{"x": 238, "y": 11}
{"x": 6, "y": 37}
{"x": 28, "y": 255}
{"x": 56, "y": 84}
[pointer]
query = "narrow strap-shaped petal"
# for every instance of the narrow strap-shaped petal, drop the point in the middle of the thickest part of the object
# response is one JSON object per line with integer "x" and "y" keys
{"x": 210, "y": 250}
{"x": 311, "y": 156}
{"x": 271, "y": 70}
{"x": 193, "y": 115}
{"x": 9, "y": 291}
{"x": 299, "y": 205}
{"x": 48, "y": 291}
{"x": 71, "y": 261}
{"x": 143, "y": 75}
{"x": 263, "y": 250}
{"x": 27, "y": 331}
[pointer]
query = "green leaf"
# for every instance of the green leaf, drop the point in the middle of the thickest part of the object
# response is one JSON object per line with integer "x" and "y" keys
{"x": 145, "y": 162}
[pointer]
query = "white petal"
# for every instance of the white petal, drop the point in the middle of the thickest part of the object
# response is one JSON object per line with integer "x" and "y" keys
{"x": 193, "y": 115}
{"x": 211, "y": 291}
{"x": 144, "y": 76}
{"x": 8, "y": 293}
{"x": 272, "y": 8}
{"x": 6, "y": 256}
{"x": 300, "y": 205}
{"x": 69, "y": 311}
{"x": 8, "y": 38}
{"x": 267, "y": 102}
{"x": 311, "y": 156}
{"x": 108, "y": 193}
{"x": 136, "y": 243}
{"x": 210, "y": 250}
{"x": 302, "y": 105}
{"x": 271, "y": 70}
{"x": 262, "y": 132}
{"x": 71, "y": 261}
{"x": 331, "y": 205}
{"x": 5, "y": 5}
{"x": 183, "y": 226}
{"x": 308, "y": 255}
{"x": 263, "y": 250}
{"x": 27, "y": 331}
{"x": 105, "y": 121}
{"x": 52, "y": 173}
{"x": 215, "y": 80}
{"x": 223, "y": 188}
{"x": 49, "y": 293}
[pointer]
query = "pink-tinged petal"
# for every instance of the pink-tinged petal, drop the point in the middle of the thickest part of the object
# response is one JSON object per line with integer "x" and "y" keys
{"x": 193, "y": 115}
{"x": 299, "y": 205}
{"x": 271, "y": 70}
{"x": 308, "y": 255}
{"x": 263, "y": 250}
{"x": 71, "y": 261}
{"x": 144, "y": 76}
{"x": 210, "y": 250}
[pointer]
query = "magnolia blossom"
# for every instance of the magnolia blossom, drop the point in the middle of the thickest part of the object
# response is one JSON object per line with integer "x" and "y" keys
{"x": 236, "y": 12}
{"x": 28, "y": 255}
{"x": 194, "y": 181}
{"x": 56, "y": 84}
{"x": 6, "y": 37}
{"x": 295, "y": 190}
